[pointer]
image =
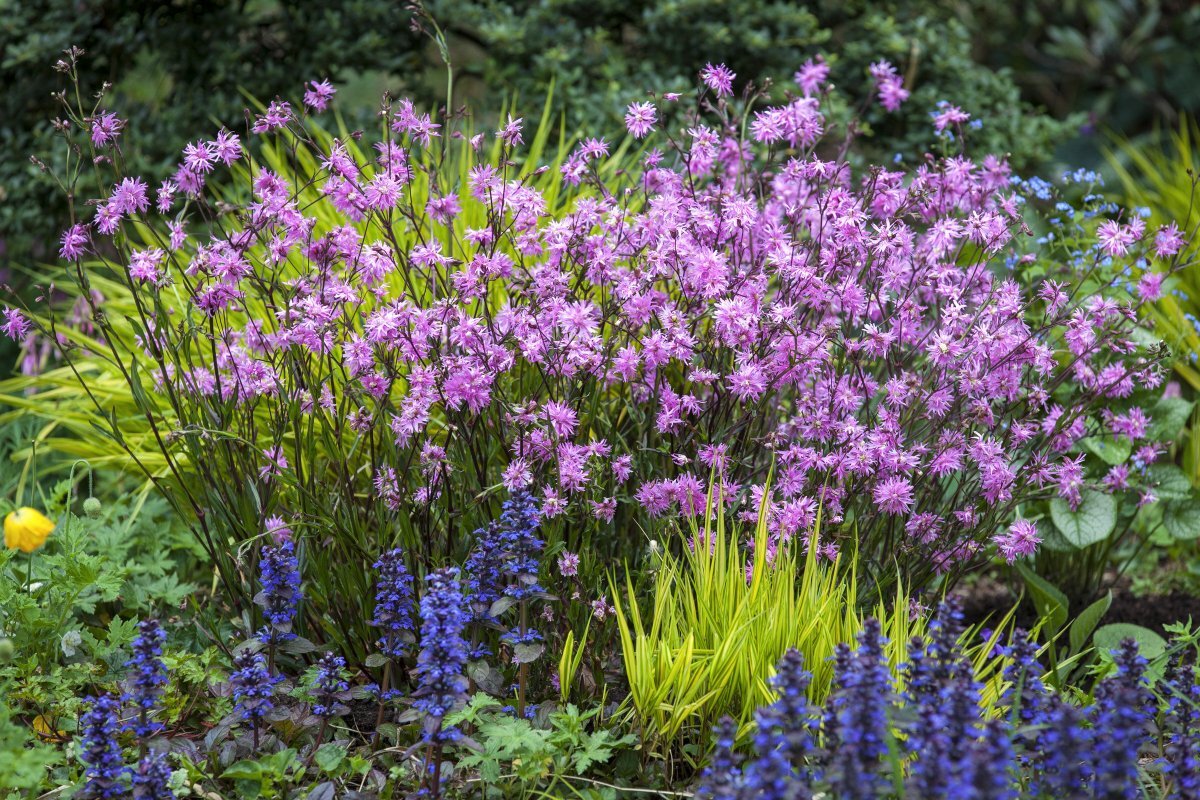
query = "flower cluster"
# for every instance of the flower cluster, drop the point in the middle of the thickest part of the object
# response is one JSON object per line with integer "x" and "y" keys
{"x": 443, "y": 655}
{"x": 330, "y": 688}
{"x": 505, "y": 562}
{"x": 621, "y": 338}
{"x": 152, "y": 778}
{"x": 149, "y": 675}
{"x": 105, "y": 771}
{"x": 280, "y": 593}
{"x": 935, "y": 737}
{"x": 394, "y": 604}
{"x": 253, "y": 686}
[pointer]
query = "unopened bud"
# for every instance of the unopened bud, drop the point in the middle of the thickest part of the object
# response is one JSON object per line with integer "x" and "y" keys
{"x": 92, "y": 507}
{"x": 7, "y": 651}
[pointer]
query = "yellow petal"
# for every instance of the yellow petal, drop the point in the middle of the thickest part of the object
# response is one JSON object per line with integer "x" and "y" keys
{"x": 26, "y": 529}
{"x": 45, "y": 730}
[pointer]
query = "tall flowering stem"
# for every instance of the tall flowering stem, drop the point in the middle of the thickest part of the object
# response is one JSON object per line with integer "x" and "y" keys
{"x": 105, "y": 771}
{"x": 395, "y": 606}
{"x": 440, "y": 666}
{"x": 279, "y": 595}
{"x": 149, "y": 676}
{"x": 253, "y": 689}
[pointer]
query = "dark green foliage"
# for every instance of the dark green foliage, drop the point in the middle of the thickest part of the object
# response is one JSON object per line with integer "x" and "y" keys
{"x": 1127, "y": 64}
{"x": 172, "y": 63}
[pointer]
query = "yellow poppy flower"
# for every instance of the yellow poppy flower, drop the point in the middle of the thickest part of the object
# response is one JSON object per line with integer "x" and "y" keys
{"x": 26, "y": 529}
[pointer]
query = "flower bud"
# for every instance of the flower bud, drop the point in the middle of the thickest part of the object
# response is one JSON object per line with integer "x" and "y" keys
{"x": 7, "y": 651}
{"x": 92, "y": 507}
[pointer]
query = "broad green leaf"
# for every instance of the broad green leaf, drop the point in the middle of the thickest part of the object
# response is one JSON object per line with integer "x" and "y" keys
{"x": 1092, "y": 522}
{"x": 1109, "y": 637}
{"x": 244, "y": 770}
{"x": 1111, "y": 450}
{"x": 527, "y": 653}
{"x": 1169, "y": 482}
{"x": 329, "y": 756}
{"x": 1167, "y": 417}
{"x": 1181, "y": 518}
{"x": 1052, "y": 539}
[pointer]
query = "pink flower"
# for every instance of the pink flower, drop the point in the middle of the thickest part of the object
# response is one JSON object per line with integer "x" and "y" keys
{"x": 227, "y": 147}
{"x": 811, "y": 75}
{"x": 948, "y": 116}
{"x": 562, "y": 419}
{"x": 1150, "y": 286}
{"x": 1168, "y": 241}
{"x": 144, "y": 264}
{"x": 517, "y": 475}
{"x": 889, "y": 85}
{"x": 622, "y": 468}
{"x": 894, "y": 495}
{"x": 317, "y": 95}
{"x": 1019, "y": 541}
{"x": 106, "y": 128}
{"x": 277, "y": 529}
{"x": 604, "y": 509}
{"x": 719, "y": 78}
{"x": 640, "y": 119}
{"x": 72, "y": 242}
{"x": 278, "y": 114}
{"x": 602, "y": 609}
{"x": 1114, "y": 238}
{"x": 568, "y": 564}
{"x": 15, "y": 326}
{"x": 510, "y": 134}
{"x": 276, "y": 462}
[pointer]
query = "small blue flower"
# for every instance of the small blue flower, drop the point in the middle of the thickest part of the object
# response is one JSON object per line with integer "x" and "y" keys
{"x": 105, "y": 772}
{"x": 330, "y": 687}
{"x": 149, "y": 675}
{"x": 394, "y": 605}
{"x": 1120, "y": 718}
{"x": 253, "y": 686}
{"x": 856, "y": 718}
{"x": 721, "y": 780}
{"x": 443, "y": 655}
{"x": 279, "y": 577}
{"x": 152, "y": 779}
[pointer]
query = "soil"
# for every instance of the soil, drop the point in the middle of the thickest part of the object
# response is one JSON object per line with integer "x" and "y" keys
{"x": 988, "y": 599}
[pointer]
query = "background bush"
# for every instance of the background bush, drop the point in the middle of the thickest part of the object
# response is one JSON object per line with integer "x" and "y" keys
{"x": 171, "y": 62}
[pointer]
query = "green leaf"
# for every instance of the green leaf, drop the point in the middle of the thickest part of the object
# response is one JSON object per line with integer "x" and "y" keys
{"x": 500, "y": 606}
{"x": 244, "y": 770}
{"x": 298, "y": 646}
{"x": 528, "y": 653}
{"x": 1052, "y": 539}
{"x": 1167, "y": 417}
{"x": 1086, "y": 622}
{"x": 330, "y": 756}
{"x": 376, "y": 660}
{"x": 1109, "y": 637}
{"x": 1092, "y": 522}
{"x": 1111, "y": 450}
{"x": 1181, "y": 518}
{"x": 1048, "y": 599}
{"x": 1169, "y": 482}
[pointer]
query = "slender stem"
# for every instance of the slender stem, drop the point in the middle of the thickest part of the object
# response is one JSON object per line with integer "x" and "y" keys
{"x": 383, "y": 689}
{"x": 523, "y": 670}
